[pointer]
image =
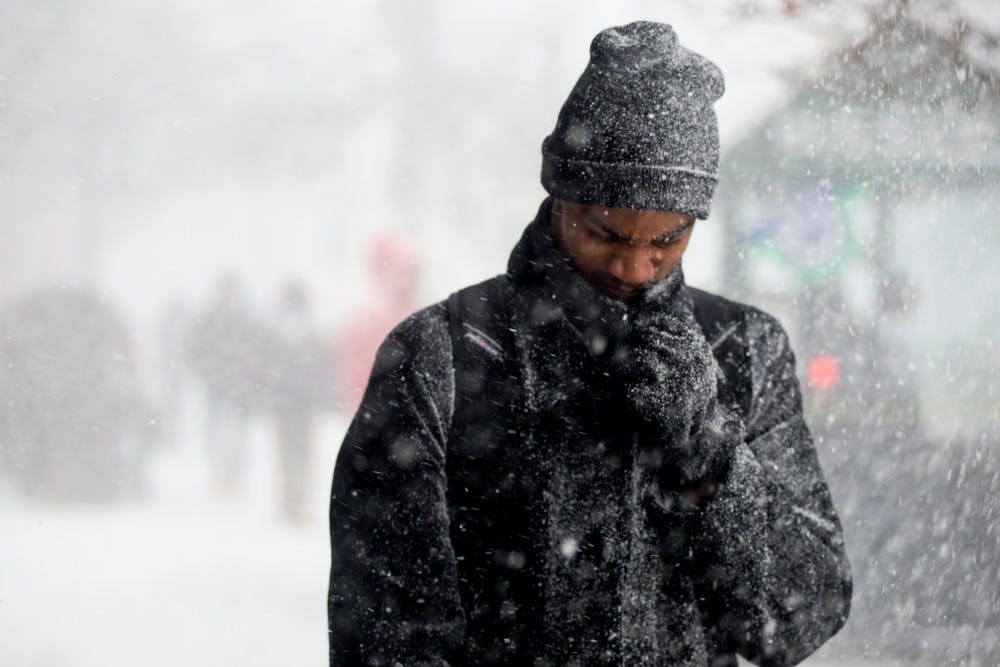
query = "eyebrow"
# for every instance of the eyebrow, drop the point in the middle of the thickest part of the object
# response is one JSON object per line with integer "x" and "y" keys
{"x": 595, "y": 220}
{"x": 670, "y": 236}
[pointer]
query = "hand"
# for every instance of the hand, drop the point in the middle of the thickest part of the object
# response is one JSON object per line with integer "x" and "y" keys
{"x": 668, "y": 374}
{"x": 669, "y": 378}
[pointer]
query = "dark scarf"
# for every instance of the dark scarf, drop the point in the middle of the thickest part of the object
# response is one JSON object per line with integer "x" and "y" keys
{"x": 538, "y": 265}
{"x": 610, "y": 593}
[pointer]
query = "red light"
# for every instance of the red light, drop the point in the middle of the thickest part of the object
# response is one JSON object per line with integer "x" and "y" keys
{"x": 823, "y": 371}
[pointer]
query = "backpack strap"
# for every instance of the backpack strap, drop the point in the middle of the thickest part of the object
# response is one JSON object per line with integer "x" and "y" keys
{"x": 481, "y": 341}
{"x": 724, "y": 324}
{"x": 477, "y": 316}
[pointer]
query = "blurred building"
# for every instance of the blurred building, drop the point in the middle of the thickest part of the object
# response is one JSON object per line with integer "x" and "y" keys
{"x": 863, "y": 212}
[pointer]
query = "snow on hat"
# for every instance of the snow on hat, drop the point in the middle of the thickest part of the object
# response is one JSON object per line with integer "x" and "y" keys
{"x": 638, "y": 130}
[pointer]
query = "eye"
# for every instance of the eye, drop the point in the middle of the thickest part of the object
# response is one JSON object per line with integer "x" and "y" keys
{"x": 667, "y": 243}
{"x": 597, "y": 232}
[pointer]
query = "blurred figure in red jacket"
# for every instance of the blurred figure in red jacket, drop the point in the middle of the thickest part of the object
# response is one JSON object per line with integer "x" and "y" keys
{"x": 395, "y": 270}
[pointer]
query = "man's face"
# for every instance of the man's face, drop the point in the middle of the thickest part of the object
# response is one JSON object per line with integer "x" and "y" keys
{"x": 621, "y": 251}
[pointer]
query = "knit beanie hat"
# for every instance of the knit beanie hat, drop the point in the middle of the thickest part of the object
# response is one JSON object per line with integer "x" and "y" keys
{"x": 638, "y": 130}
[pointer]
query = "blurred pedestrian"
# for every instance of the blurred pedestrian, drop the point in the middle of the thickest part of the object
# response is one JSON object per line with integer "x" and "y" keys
{"x": 74, "y": 418}
{"x": 224, "y": 348}
{"x": 175, "y": 326}
{"x": 299, "y": 380}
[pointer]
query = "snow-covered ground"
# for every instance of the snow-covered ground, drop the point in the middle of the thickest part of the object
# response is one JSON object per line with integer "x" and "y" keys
{"x": 159, "y": 584}
{"x": 182, "y": 577}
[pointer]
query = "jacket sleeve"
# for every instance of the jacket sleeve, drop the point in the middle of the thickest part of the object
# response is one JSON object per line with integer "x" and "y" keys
{"x": 777, "y": 583}
{"x": 393, "y": 595}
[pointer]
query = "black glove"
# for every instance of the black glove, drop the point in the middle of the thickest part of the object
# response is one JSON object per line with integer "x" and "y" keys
{"x": 668, "y": 379}
{"x": 667, "y": 374}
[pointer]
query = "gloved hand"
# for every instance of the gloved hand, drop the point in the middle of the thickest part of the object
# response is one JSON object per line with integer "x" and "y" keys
{"x": 667, "y": 373}
{"x": 668, "y": 382}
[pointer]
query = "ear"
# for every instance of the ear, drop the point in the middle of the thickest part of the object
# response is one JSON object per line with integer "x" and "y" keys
{"x": 555, "y": 219}
{"x": 557, "y": 208}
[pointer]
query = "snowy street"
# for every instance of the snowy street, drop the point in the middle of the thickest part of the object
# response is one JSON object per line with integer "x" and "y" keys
{"x": 180, "y": 578}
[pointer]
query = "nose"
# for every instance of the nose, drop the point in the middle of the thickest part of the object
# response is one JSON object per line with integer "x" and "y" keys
{"x": 634, "y": 265}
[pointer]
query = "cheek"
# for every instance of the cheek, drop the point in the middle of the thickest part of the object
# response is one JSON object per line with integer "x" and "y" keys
{"x": 670, "y": 258}
{"x": 673, "y": 255}
{"x": 586, "y": 262}
{"x": 588, "y": 253}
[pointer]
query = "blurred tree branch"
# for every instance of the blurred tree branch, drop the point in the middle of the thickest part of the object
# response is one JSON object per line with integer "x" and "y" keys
{"x": 970, "y": 27}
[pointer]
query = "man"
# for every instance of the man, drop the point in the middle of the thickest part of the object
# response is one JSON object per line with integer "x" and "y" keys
{"x": 583, "y": 461}
{"x": 298, "y": 377}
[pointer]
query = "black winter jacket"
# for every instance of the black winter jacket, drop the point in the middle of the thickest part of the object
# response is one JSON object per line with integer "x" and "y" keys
{"x": 533, "y": 512}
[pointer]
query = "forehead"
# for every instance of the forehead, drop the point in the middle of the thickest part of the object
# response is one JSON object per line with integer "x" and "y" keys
{"x": 633, "y": 223}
